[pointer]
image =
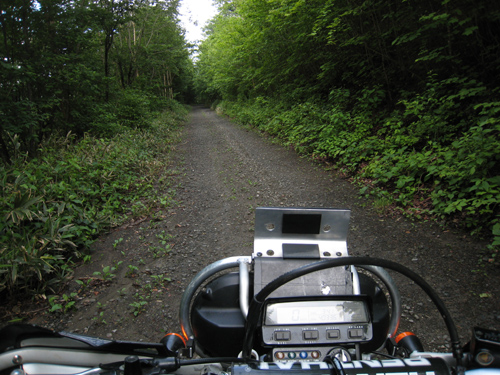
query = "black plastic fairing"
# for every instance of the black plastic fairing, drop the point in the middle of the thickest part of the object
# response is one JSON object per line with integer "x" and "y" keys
{"x": 216, "y": 317}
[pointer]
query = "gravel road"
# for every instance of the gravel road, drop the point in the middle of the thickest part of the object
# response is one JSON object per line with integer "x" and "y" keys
{"x": 226, "y": 171}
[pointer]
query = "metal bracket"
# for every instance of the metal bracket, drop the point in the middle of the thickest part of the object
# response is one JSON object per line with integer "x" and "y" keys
{"x": 300, "y": 233}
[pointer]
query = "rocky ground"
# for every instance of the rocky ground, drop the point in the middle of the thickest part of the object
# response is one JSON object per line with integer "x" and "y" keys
{"x": 131, "y": 287}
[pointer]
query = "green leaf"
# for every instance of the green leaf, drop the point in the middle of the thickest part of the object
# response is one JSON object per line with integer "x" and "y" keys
{"x": 470, "y": 30}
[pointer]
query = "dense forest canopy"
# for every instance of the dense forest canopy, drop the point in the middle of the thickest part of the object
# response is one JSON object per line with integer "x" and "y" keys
{"x": 402, "y": 95}
{"x": 398, "y": 47}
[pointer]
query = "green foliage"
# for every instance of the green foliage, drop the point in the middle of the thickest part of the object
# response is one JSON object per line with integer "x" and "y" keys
{"x": 401, "y": 95}
{"x": 54, "y": 206}
{"x": 140, "y": 304}
{"x": 452, "y": 177}
{"x": 151, "y": 53}
{"x": 107, "y": 272}
{"x": 77, "y": 66}
{"x": 117, "y": 242}
{"x": 132, "y": 270}
{"x": 58, "y": 304}
{"x": 87, "y": 104}
{"x": 160, "y": 280}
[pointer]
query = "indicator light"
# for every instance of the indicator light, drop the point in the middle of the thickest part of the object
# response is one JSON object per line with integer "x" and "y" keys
{"x": 303, "y": 355}
{"x": 410, "y": 342}
{"x": 315, "y": 354}
{"x": 484, "y": 358}
{"x": 292, "y": 355}
{"x": 279, "y": 355}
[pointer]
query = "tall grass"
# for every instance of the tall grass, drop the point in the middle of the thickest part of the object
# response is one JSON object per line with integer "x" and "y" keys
{"x": 54, "y": 206}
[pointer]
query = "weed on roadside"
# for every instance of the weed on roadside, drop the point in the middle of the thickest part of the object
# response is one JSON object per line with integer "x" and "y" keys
{"x": 62, "y": 304}
{"x": 107, "y": 273}
{"x": 59, "y": 203}
{"x": 139, "y": 305}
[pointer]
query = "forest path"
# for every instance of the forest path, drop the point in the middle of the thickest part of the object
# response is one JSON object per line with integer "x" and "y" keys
{"x": 226, "y": 172}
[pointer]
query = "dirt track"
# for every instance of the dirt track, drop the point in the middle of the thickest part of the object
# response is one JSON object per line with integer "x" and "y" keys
{"x": 227, "y": 171}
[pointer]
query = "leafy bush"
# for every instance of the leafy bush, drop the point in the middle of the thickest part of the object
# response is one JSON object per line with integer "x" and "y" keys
{"x": 133, "y": 108}
{"x": 54, "y": 206}
{"x": 105, "y": 121}
{"x": 413, "y": 153}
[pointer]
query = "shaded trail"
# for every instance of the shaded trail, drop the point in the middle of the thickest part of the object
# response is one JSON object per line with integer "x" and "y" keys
{"x": 231, "y": 170}
{"x": 228, "y": 171}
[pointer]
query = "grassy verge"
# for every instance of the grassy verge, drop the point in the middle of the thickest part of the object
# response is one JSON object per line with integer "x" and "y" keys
{"x": 54, "y": 206}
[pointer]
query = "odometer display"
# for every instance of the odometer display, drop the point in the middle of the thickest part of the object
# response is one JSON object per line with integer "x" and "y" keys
{"x": 315, "y": 312}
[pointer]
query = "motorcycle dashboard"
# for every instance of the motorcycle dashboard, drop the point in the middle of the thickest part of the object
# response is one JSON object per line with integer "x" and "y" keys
{"x": 316, "y": 321}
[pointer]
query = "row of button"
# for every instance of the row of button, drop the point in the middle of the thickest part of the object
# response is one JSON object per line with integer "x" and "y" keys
{"x": 312, "y": 334}
{"x": 315, "y": 354}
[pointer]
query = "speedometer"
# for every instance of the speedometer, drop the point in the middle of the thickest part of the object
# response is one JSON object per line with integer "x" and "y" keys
{"x": 316, "y": 312}
{"x": 316, "y": 321}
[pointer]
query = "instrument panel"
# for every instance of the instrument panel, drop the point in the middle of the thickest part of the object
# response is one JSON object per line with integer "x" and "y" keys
{"x": 307, "y": 321}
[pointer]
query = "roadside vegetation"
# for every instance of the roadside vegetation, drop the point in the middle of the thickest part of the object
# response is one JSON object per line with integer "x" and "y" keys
{"x": 91, "y": 100}
{"x": 55, "y": 205}
{"x": 403, "y": 97}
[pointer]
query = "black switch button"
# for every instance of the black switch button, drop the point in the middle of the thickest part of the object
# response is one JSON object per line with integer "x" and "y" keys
{"x": 310, "y": 335}
{"x": 356, "y": 333}
{"x": 333, "y": 334}
{"x": 282, "y": 335}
